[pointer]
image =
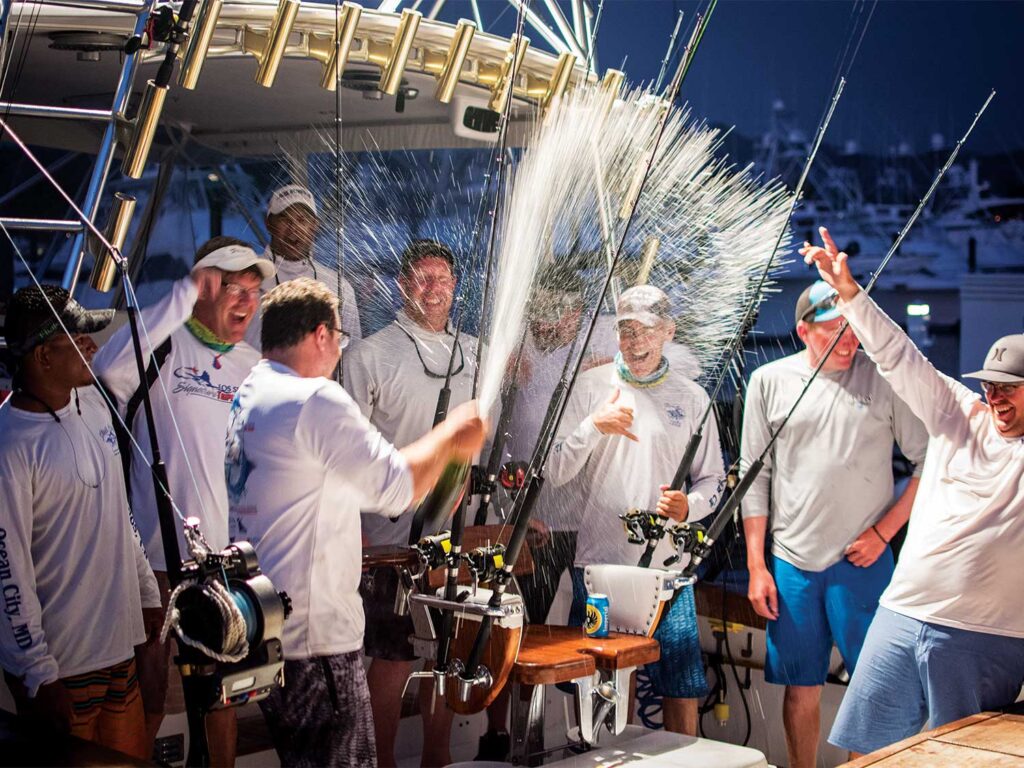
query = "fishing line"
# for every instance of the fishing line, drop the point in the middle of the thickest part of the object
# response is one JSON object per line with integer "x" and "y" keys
{"x": 129, "y": 288}
{"x": 110, "y": 403}
{"x": 733, "y": 502}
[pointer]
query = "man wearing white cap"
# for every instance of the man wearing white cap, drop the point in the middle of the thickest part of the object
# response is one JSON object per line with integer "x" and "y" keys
{"x": 826, "y": 494}
{"x": 197, "y": 332}
{"x": 292, "y": 223}
{"x": 948, "y": 638}
{"x": 624, "y": 431}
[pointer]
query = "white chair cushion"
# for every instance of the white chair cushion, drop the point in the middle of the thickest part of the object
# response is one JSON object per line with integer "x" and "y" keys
{"x": 635, "y": 595}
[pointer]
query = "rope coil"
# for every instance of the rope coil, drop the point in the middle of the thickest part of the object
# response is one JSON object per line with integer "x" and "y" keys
{"x": 234, "y": 639}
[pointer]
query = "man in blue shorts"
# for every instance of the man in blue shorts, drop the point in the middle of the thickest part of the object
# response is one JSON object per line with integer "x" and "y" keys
{"x": 948, "y": 638}
{"x": 625, "y": 428}
{"x": 826, "y": 491}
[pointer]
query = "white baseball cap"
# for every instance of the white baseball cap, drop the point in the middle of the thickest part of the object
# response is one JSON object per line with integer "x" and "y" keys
{"x": 236, "y": 258}
{"x": 292, "y": 194}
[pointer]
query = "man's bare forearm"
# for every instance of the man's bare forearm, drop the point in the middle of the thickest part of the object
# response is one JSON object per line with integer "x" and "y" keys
{"x": 899, "y": 512}
{"x": 755, "y": 530}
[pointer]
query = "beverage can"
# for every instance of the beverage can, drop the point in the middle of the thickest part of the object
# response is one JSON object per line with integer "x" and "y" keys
{"x": 596, "y": 622}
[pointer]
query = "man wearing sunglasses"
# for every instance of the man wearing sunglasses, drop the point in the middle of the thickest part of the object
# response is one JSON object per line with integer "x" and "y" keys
{"x": 200, "y": 356}
{"x": 826, "y": 494}
{"x": 948, "y": 638}
{"x": 395, "y": 376}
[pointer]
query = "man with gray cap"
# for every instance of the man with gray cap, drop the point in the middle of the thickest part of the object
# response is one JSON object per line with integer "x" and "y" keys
{"x": 625, "y": 429}
{"x": 948, "y": 638}
{"x": 197, "y": 332}
{"x": 78, "y": 594}
{"x": 826, "y": 493}
{"x": 292, "y": 223}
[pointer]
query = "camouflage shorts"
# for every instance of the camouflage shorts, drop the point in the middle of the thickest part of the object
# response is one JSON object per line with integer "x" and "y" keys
{"x": 322, "y": 715}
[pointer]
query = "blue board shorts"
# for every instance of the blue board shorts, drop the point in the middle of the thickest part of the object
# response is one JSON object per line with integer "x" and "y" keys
{"x": 914, "y": 672}
{"x": 817, "y": 608}
{"x": 679, "y": 672}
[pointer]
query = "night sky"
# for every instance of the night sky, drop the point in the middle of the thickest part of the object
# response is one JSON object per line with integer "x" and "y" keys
{"x": 923, "y": 67}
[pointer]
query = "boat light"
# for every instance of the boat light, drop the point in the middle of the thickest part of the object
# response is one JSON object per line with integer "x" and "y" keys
{"x": 918, "y": 310}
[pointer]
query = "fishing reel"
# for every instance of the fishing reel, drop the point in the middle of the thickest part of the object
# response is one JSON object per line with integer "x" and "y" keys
{"x": 688, "y": 538}
{"x": 485, "y": 564}
{"x": 643, "y": 526}
{"x": 228, "y": 619}
{"x": 511, "y": 476}
{"x": 434, "y": 551}
{"x": 161, "y": 27}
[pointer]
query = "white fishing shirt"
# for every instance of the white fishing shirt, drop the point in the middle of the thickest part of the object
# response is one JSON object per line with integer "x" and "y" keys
{"x": 301, "y": 461}
{"x": 617, "y": 473}
{"x": 291, "y": 270}
{"x": 73, "y": 574}
{"x": 197, "y": 387}
{"x": 384, "y": 374}
{"x": 960, "y": 563}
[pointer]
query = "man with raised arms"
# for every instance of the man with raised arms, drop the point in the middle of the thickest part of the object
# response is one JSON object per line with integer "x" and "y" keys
{"x": 197, "y": 334}
{"x": 625, "y": 429}
{"x": 77, "y": 591}
{"x": 826, "y": 491}
{"x": 301, "y": 462}
{"x": 948, "y": 638}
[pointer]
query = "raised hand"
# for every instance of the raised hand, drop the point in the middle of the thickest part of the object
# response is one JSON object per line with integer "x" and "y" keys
{"x": 832, "y": 265}
{"x": 209, "y": 281}
{"x": 613, "y": 419}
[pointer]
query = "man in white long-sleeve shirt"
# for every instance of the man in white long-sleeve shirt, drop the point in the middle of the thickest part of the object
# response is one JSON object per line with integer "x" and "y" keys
{"x": 948, "y": 638}
{"x": 826, "y": 491}
{"x": 395, "y": 376}
{"x": 197, "y": 335}
{"x": 293, "y": 224}
{"x": 301, "y": 461}
{"x": 624, "y": 431}
{"x": 77, "y": 591}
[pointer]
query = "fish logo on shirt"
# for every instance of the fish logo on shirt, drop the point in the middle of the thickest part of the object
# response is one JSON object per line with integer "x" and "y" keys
{"x": 108, "y": 436}
{"x": 192, "y": 381}
{"x": 675, "y": 415}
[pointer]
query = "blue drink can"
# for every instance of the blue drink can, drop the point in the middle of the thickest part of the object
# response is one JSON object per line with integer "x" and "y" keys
{"x": 596, "y": 622}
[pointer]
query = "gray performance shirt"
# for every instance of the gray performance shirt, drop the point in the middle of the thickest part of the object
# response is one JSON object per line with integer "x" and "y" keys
{"x": 829, "y": 475}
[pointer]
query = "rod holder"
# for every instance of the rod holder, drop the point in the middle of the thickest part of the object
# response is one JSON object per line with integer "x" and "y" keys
{"x": 559, "y": 80}
{"x": 276, "y": 41}
{"x": 448, "y": 77}
{"x": 335, "y": 53}
{"x": 509, "y": 67}
{"x": 199, "y": 43}
{"x": 401, "y": 47}
{"x": 611, "y": 85}
{"x": 146, "y": 122}
{"x": 649, "y": 253}
{"x": 104, "y": 268}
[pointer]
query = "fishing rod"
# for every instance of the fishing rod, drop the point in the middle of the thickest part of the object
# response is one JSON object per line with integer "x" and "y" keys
{"x": 736, "y": 342}
{"x": 472, "y": 673}
{"x": 459, "y": 519}
{"x": 707, "y": 540}
{"x": 437, "y": 503}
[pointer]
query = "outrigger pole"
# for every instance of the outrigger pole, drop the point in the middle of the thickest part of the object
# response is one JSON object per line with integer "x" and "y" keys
{"x": 703, "y": 544}
{"x": 472, "y": 673}
{"x": 736, "y": 342}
